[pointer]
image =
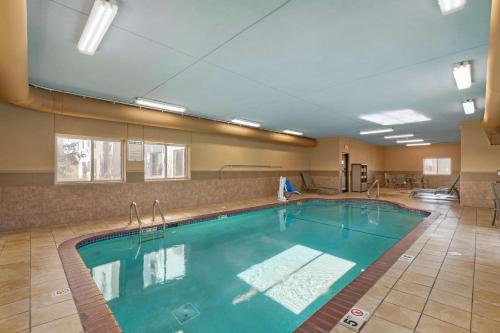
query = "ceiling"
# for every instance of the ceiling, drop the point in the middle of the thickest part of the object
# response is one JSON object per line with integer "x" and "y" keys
{"x": 313, "y": 66}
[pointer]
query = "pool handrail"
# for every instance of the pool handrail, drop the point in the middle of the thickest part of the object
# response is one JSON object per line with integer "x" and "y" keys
{"x": 376, "y": 182}
{"x": 133, "y": 209}
{"x": 156, "y": 205}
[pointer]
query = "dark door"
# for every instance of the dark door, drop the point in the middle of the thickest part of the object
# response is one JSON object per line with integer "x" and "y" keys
{"x": 345, "y": 173}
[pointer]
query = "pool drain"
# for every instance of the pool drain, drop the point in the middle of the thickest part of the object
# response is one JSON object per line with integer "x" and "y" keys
{"x": 185, "y": 313}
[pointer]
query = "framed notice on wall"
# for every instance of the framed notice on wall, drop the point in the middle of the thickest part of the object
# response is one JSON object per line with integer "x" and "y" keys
{"x": 134, "y": 150}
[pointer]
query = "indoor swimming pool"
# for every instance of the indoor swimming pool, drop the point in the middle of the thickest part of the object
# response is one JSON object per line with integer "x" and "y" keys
{"x": 266, "y": 270}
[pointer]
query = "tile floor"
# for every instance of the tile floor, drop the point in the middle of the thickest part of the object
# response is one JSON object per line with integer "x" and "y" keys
{"x": 452, "y": 285}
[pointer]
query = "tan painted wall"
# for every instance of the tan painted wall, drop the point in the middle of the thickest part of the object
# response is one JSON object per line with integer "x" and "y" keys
{"x": 477, "y": 154}
{"x": 362, "y": 152}
{"x": 27, "y": 143}
{"x": 410, "y": 158}
{"x": 325, "y": 156}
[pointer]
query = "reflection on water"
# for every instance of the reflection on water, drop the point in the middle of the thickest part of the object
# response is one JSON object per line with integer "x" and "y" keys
{"x": 164, "y": 265}
{"x": 297, "y": 276}
{"x": 107, "y": 278}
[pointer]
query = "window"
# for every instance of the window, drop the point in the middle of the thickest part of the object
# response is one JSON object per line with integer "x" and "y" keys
{"x": 87, "y": 160}
{"x": 164, "y": 161}
{"x": 437, "y": 166}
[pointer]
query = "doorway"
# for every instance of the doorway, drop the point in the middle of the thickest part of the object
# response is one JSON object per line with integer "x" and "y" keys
{"x": 344, "y": 184}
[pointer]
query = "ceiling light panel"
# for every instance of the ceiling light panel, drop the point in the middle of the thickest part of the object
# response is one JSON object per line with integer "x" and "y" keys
{"x": 245, "y": 122}
{"x": 410, "y": 141}
{"x": 451, "y": 6}
{"x": 462, "y": 74}
{"x": 418, "y": 144}
{"x": 397, "y": 117}
{"x": 149, "y": 103}
{"x": 398, "y": 136}
{"x": 102, "y": 14}
{"x": 292, "y": 132}
{"x": 376, "y": 131}
{"x": 469, "y": 106}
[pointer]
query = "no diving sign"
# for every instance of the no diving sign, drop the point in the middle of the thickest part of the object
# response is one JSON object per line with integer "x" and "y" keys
{"x": 355, "y": 318}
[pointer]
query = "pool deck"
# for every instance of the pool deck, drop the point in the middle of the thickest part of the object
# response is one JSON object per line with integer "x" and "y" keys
{"x": 452, "y": 284}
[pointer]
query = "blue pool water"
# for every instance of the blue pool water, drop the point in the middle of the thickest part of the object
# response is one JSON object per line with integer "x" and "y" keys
{"x": 261, "y": 271}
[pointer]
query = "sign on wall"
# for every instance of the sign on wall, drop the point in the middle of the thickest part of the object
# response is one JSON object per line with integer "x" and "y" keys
{"x": 134, "y": 150}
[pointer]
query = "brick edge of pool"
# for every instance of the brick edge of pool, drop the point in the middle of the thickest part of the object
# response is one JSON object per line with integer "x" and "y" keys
{"x": 96, "y": 316}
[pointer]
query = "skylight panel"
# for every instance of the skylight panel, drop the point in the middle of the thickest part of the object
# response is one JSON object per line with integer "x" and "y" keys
{"x": 397, "y": 117}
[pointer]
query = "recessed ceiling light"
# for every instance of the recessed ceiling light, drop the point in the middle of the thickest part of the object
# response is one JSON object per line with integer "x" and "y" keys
{"x": 396, "y": 117}
{"x": 418, "y": 144}
{"x": 292, "y": 132}
{"x": 451, "y": 6}
{"x": 375, "y": 131}
{"x": 410, "y": 141}
{"x": 159, "y": 105}
{"x": 245, "y": 122}
{"x": 469, "y": 106}
{"x": 398, "y": 136}
{"x": 462, "y": 74}
{"x": 102, "y": 14}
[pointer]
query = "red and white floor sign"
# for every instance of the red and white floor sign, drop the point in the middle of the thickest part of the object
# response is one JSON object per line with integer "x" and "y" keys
{"x": 355, "y": 318}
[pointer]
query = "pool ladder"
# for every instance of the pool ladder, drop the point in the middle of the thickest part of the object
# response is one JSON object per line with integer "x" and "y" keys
{"x": 145, "y": 231}
{"x": 376, "y": 182}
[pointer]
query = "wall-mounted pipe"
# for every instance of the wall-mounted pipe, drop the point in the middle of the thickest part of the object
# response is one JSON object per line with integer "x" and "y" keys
{"x": 14, "y": 89}
{"x": 491, "y": 120}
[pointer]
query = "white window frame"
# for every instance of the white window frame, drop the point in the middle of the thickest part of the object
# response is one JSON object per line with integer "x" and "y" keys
{"x": 92, "y": 180}
{"x": 166, "y": 178}
{"x": 437, "y": 166}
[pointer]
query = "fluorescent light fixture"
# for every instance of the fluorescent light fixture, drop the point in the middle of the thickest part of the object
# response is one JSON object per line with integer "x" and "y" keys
{"x": 410, "y": 141}
{"x": 418, "y": 144}
{"x": 375, "y": 131}
{"x": 292, "y": 132}
{"x": 245, "y": 122}
{"x": 398, "y": 136}
{"x": 102, "y": 14}
{"x": 149, "y": 103}
{"x": 396, "y": 117}
{"x": 469, "y": 106}
{"x": 462, "y": 74}
{"x": 451, "y": 6}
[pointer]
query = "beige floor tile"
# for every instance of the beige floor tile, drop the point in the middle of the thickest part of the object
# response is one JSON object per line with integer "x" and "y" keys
{"x": 487, "y": 310}
{"x": 379, "y": 325}
{"x": 483, "y": 325}
{"x": 409, "y": 301}
{"x": 457, "y": 301}
{"x": 15, "y": 323}
{"x": 398, "y": 315}
{"x": 453, "y": 287}
{"x": 70, "y": 324}
{"x": 422, "y": 279}
{"x": 448, "y": 314}
{"x": 52, "y": 312}
{"x": 13, "y": 295}
{"x": 11, "y": 309}
{"x": 428, "y": 324}
{"x": 458, "y": 278}
{"x": 433, "y": 272}
{"x": 412, "y": 288}
{"x": 487, "y": 297}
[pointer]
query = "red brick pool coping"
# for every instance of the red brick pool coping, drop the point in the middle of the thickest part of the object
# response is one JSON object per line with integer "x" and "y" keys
{"x": 96, "y": 316}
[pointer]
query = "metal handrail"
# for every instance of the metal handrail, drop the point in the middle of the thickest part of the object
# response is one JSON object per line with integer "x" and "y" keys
{"x": 156, "y": 205}
{"x": 376, "y": 182}
{"x": 133, "y": 208}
